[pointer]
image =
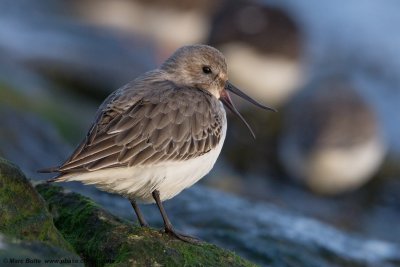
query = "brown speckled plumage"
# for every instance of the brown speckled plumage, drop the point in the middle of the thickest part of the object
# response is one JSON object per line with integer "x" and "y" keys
{"x": 138, "y": 126}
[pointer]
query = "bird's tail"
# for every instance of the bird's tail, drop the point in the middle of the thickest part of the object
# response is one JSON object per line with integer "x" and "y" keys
{"x": 50, "y": 170}
{"x": 52, "y": 180}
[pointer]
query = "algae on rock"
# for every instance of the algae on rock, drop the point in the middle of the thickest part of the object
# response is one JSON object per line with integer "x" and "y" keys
{"x": 27, "y": 232}
{"x": 104, "y": 239}
{"x": 23, "y": 212}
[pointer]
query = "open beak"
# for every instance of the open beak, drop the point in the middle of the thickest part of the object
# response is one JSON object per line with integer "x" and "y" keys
{"x": 226, "y": 99}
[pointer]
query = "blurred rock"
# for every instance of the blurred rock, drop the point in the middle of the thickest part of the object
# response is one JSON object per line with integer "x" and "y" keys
{"x": 49, "y": 39}
{"x": 17, "y": 80}
{"x": 263, "y": 45}
{"x": 332, "y": 139}
{"x": 23, "y": 213}
{"x": 30, "y": 141}
{"x": 100, "y": 237}
{"x": 26, "y": 93}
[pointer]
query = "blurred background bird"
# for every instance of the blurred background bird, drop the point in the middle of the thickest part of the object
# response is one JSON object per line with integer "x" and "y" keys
{"x": 264, "y": 36}
{"x": 332, "y": 140}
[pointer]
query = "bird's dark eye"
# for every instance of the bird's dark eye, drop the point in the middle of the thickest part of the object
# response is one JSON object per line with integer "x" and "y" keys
{"x": 207, "y": 70}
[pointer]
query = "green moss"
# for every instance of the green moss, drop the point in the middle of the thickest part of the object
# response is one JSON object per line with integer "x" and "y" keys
{"x": 105, "y": 240}
{"x": 23, "y": 212}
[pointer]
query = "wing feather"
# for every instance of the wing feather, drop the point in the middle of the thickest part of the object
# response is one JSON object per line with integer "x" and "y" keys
{"x": 137, "y": 126}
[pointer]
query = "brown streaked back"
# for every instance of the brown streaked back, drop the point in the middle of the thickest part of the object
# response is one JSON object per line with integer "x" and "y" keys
{"x": 148, "y": 121}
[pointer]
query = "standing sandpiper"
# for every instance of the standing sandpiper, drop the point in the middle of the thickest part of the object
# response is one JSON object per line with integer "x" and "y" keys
{"x": 160, "y": 133}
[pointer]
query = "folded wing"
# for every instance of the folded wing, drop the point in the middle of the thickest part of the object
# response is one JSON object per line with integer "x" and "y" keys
{"x": 135, "y": 128}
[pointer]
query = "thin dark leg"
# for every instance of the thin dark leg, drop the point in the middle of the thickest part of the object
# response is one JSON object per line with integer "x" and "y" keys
{"x": 167, "y": 223}
{"x": 139, "y": 214}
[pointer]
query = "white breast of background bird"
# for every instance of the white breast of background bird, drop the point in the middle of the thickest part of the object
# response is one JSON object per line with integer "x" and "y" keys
{"x": 152, "y": 134}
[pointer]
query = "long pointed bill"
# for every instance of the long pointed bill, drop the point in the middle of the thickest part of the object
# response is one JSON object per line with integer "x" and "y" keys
{"x": 237, "y": 92}
{"x": 226, "y": 99}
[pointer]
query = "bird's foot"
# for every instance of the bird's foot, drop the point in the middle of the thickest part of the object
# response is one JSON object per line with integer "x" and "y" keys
{"x": 183, "y": 237}
{"x": 145, "y": 225}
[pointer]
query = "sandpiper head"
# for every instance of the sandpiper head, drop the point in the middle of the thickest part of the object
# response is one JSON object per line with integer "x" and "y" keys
{"x": 199, "y": 66}
{"x": 204, "y": 67}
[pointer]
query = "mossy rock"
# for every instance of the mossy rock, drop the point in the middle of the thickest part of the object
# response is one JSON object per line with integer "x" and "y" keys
{"x": 102, "y": 239}
{"x": 23, "y": 213}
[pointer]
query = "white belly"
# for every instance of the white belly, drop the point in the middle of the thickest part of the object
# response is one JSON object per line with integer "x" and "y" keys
{"x": 138, "y": 182}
